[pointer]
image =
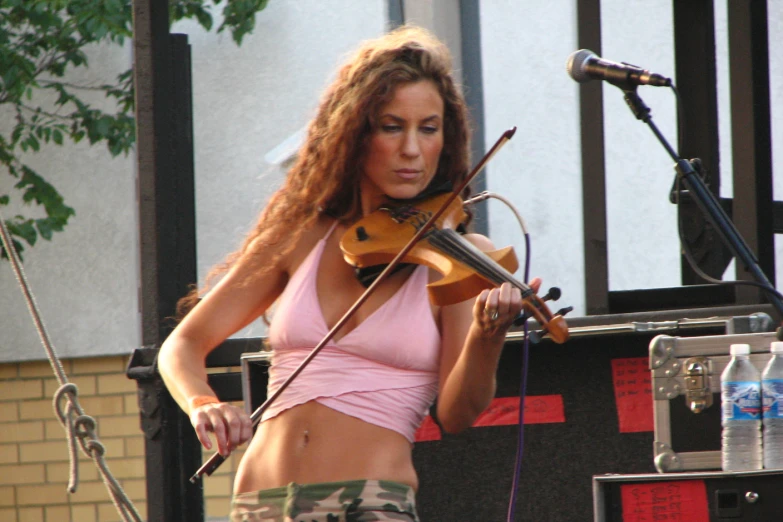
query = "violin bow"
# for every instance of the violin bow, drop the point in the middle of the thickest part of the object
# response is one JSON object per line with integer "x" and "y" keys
{"x": 217, "y": 459}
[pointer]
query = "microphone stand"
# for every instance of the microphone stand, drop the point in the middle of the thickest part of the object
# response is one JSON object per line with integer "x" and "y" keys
{"x": 708, "y": 204}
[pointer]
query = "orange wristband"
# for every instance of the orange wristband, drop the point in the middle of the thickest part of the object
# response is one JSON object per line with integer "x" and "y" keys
{"x": 201, "y": 400}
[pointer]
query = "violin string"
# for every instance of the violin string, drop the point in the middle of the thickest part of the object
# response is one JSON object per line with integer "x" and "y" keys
{"x": 457, "y": 252}
{"x": 452, "y": 243}
{"x": 453, "y": 247}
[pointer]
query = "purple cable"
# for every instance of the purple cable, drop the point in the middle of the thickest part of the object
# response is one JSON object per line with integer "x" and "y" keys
{"x": 522, "y": 391}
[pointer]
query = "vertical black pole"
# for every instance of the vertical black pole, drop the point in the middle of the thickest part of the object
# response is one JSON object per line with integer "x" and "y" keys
{"x": 473, "y": 80}
{"x": 396, "y": 13}
{"x": 591, "y": 114}
{"x": 751, "y": 136}
{"x": 696, "y": 79}
{"x": 167, "y": 253}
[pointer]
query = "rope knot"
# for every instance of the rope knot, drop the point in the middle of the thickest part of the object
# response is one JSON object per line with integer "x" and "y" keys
{"x": 70, "y": 390}
{"x": 84, "y": 428}
{"x": 97, "y": 447}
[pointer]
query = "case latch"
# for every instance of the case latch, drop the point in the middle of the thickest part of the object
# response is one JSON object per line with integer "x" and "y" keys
{"x": 697, "y": 384}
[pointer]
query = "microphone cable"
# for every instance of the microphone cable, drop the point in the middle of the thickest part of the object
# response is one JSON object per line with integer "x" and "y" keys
{"x": 525, "y": 352}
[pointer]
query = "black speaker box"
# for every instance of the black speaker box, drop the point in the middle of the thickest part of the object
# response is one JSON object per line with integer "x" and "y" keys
{"x": 468, "y": 477}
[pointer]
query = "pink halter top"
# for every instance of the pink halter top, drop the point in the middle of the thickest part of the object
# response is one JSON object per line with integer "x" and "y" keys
{"x": 384, "y": 371}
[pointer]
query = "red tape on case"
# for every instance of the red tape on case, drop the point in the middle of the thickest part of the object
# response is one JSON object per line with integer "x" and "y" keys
{"x": 427, "y": 431}
{"x": 539, "y": 409}
{"x": 633, "y": 394}
{"x": 504, "y": 411}
{"x": 680, "y": 501}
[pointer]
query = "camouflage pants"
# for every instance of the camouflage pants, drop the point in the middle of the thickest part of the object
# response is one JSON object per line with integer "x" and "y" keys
{"x": 349, "y": 501}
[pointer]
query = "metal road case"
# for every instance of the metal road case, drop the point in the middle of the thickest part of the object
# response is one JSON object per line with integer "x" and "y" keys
{"x": 255, "y": 368}
{"x": 686, "y": 390}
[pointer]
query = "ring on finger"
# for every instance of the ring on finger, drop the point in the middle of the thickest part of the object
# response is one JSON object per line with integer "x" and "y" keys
{"x": 492, "y": 313}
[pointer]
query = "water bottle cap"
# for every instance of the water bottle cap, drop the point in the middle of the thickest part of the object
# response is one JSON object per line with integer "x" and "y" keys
{"x": 740, "y": 349}
{"x": 776, "y": 347}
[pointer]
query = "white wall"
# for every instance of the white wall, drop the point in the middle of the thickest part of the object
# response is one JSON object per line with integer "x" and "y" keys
{"x": 525, "y": 46}
{"x": 775, "y": 24}
{"x": 248, "y": 100}
{"x": 85, "y": 279}
{"x": 524, "y": 49}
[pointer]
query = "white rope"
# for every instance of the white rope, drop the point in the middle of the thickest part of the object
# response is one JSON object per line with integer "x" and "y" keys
{"x": 78, "y": 426}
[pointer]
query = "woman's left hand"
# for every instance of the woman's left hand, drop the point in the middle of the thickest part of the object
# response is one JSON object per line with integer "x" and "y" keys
{"x": 496, "y": 309}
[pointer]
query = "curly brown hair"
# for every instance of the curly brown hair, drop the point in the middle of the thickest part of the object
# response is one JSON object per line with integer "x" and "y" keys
{"x": 325, "y": 176}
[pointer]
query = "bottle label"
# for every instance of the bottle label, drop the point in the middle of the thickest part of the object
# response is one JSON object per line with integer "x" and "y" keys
{"x": 741, "y": 400}
{"x": 772, "y": 390}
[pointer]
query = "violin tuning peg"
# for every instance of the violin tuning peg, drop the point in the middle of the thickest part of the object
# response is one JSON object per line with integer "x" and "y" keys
{"x": 536, "y": 336}
{"x": 521, "y": 318}
{"x": 563, "y": 311}
{"x": 553, "y": 294}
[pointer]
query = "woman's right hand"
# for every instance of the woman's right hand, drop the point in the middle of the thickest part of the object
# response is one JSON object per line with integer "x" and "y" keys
{"x": 230, "y": 425}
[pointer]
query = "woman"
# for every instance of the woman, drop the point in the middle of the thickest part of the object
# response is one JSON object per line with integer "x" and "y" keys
{"x": 336, "y": 445}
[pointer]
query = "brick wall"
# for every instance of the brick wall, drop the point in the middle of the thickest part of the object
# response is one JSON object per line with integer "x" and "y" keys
{"x": 34, "y": 464}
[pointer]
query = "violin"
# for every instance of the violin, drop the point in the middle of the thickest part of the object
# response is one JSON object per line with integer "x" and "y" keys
{"x": 380, "y": 236}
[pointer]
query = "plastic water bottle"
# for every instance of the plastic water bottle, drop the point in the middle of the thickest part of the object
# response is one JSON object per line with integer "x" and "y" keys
{"x": 772, "y": 401}
{"x": 741, "y": 412}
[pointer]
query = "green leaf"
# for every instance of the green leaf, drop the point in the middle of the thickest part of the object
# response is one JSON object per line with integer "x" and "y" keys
{"x": 103, "y": 126}
{"x": 37, "y": 189}
{"x": 204, "y": 19}
{"x": 23, "y": 228}
{"x": 44, "y": 228}
{"x": 17, "y": 133}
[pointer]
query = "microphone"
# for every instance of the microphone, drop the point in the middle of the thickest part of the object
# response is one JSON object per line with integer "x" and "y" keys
{"x": 585, "y": 65}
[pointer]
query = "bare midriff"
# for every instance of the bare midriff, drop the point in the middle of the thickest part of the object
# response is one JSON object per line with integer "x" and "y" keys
{"x": 312, "y": 443}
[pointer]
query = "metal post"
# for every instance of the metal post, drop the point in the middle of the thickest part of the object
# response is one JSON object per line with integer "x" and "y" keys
{"x": 167, "y": 253}
{"x": 751, "y": 136}
{"x": 591, "y": 109}
{"x": 694, "y": 52}
{"x": 473, "y": 81}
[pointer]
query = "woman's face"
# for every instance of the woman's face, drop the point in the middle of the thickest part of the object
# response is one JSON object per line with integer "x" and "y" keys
{"x": 404, "y": 146}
